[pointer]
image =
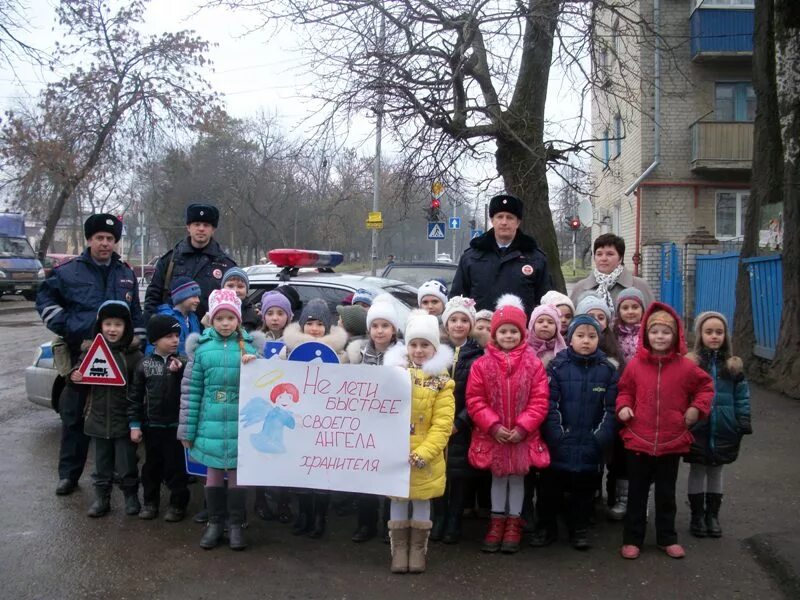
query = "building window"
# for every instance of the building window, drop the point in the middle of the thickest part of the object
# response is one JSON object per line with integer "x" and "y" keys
{"x": 606, "y": 148}
{"x": 618, "y": 136}
{"x": 734, "y": 101}
{"x": 730, "y": 210}
{"x": 724, "y": 4}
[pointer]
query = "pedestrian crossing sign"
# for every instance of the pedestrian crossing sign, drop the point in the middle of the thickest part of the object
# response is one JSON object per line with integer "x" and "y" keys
{"x": 436, "y": 230}
{"x": 99, "y": 367}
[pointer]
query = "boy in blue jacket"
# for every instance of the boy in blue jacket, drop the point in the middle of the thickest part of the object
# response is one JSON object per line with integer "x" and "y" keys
{"x": 579, "y": 428}
{"x": 184, "y": 300}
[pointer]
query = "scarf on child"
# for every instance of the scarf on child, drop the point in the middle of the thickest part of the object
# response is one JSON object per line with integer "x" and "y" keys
{"x": 606, "y": 282}
{"x": 546, "y": 349}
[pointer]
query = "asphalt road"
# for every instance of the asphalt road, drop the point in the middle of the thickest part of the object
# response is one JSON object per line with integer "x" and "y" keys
{"x": 49, "y": 549}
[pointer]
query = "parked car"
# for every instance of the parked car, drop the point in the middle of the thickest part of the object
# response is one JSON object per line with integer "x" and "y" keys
{"x": 146, "y": 274}
{"x": 20, "y": 270}
{"x": 443, "y": 257}
{"x": 51, "y": 261}
{"x": 42, "y": 386}
{"x": 417, "y": 273}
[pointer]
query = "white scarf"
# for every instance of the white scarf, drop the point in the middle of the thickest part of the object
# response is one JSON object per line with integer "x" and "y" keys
{"x": 605, "y": 282}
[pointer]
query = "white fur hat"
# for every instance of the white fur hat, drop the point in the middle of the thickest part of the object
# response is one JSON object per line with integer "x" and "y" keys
{"x": 421, "y": 325}
{"x": 432, "y": 288}
{"x": 224, "y": 299}
{"x": 383, "y": 308}
{"x": 557, "y": 299}
{"x": 459, "y": 304}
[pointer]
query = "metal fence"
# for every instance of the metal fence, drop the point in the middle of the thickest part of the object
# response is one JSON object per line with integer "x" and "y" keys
{"x": 766, "y": 293}
{"x": 671, "y": 279}
{"x": 716, "y": 284}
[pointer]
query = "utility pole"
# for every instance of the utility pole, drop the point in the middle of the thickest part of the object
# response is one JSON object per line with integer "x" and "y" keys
{"x": 376, "y": 178}
{"x": 455, "y": 231}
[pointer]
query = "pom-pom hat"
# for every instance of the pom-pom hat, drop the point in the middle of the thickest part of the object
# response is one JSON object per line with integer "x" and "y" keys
{"x": 510, "y": 311}
{"x": 224, "y": 300}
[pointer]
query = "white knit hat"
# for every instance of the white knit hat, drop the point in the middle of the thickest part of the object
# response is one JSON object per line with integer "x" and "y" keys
{"x": 557, "y": 299}
{"x": 484, "y": 315}
{"x": 433, "y": 287}
{"x": 422, "y": 326}
{"x": 459, "y": 304}
{"x": 591, "y": 302}
{"x": 224, "y": 299}
{"x": 383, "y": 308}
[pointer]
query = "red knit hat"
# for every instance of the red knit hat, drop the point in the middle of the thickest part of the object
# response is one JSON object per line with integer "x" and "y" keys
{"x": 510, "y": 311}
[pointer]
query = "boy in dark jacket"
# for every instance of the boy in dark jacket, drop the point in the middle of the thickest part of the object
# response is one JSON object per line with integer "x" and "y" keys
{"x": 153, "y": 406}
{"x": 579, "y": 428}
{"x": 105, "y": 420}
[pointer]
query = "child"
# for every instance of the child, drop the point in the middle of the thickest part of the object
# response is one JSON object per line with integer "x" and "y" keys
{"x": 507, "y": 398}
{"x": 595, "y": 307}
{"x": 459, "y": 319}
{"x": 210, "y": 427}
{"x": 353, "y": 319}
{"x": 580, "y": 426}
{"x": 431, "y": 297}
{"x": 362, "y": 298}
{"x": 483, "y": 327}
{"x": 106, "y": 413}
{"x": 276, "y": 310}
{"x": 564, "y": 305}
{"x": 716, "y": 441}
{"x": 315, "y": 325}
{"x": 629, "y": 309}
{"x": 236, "y": 279}
{"x": 432, "y": 412}
{"x": 661, "y": 395}
{"x": 544, "y": 333}
{"x": 153, "y": 402}
{"x": 184, "y": 300}
{"x": 383, "y": 325}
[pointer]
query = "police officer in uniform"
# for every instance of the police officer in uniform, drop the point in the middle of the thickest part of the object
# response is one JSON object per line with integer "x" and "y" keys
{"x": 502, "y": 261}
{"x": 198, "y": 257}
{"x": 68, "y": 302}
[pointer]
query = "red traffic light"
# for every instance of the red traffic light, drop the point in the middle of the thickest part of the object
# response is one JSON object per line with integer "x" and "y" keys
{"x": 435, "y": 204}
{"x": 574, "y": 223}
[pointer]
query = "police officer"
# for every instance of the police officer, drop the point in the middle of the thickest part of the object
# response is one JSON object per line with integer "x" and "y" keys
{"x": 68, "y": 302}
{"x": 502, "y": 261}
{"x": 198, "y": 257}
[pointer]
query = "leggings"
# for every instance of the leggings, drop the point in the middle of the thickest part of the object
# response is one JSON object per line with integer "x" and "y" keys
{"x": 508, "y": 491}
{"x": 420, "y": 510}
{"x": 216, "y": 477}
{"x": 705, "y": 479}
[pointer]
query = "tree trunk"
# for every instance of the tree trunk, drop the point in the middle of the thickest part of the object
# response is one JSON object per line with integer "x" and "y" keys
{"x": 785, "y": 371}
{"x": 52, "y": 219}
{"x": 525, "y": 176}
{"x": 767, "y": 173}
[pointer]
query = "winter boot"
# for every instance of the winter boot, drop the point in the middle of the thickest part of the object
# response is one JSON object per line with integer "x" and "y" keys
{"x": 102, "y": 503}
{"x": 399, "y": 532}
{"x": 713, "y": 504}
{"x": 452, "y": 532}
{"x": 261, "y": 506}
{"x": 284, "y": 506}
{"x": 132, "y": 505}
{"x": 697, "y": 526}
{"x": 304, "y": 522}
{"x": 512, "y": 535}
{"x": 620, "y": 507}
{"x": 418, "y": 545}
{"x": 494, "y": 536}
{"x": 320, "y": 513}
{"x": 367, "y": 519}
{"x": 439, "y": 519}
{"x": 216, "y": 502}
{"x": 237, "y": 499}
{"x": 580, "y": 539}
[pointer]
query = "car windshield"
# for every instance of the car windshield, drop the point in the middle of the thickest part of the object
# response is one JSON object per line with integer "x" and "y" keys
{"x": 10, "y": 246}
{"x": 416, "y": 275}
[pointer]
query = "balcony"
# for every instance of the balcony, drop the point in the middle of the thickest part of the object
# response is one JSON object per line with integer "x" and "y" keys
{"x": 721, "y": 34}
{"x": 722, "y": 146}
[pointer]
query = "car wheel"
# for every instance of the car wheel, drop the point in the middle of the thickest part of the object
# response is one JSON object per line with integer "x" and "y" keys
{"x": 29, "y": 296}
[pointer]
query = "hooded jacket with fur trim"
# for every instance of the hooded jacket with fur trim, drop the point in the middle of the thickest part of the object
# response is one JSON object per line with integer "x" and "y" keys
{"x": 336, "y": 338}
{"x": 659, "y": 389}
{"x": 432, "y": 413}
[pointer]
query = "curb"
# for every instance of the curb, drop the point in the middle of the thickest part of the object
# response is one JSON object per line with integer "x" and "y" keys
{"x": 784, "y": 567}
{"x": 11, "y": 309}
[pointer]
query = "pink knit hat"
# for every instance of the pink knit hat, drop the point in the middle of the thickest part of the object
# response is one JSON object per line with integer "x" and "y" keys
{"x": 551, "y": 311}
{"x": 224, "y": 299}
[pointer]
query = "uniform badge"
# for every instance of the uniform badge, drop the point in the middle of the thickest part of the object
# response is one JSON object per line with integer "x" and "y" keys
{"x": 527, "y": 270}
{"x": 109, "y": 222}
{"x": 217, "y": 274}
{"x": 128, "y": 297}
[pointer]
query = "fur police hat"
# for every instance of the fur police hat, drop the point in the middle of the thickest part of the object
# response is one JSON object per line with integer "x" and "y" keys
{"x": 103, "y": 222}
{"x": 202, "y": 213}
{"x": 506, "y": 203}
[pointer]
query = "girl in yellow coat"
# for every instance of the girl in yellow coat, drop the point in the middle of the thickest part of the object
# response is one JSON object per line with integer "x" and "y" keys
{"x": 432, "y": 412}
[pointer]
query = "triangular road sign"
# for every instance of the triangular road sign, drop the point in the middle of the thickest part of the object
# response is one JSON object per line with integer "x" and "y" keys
{"x": 99, "y": 366}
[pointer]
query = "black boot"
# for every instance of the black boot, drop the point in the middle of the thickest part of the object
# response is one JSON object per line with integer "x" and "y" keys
{"x": 102, "y": 503}
{"x": 261, "y": 506}
{"x": 132, "y": 505}
{"x": 237, "y": 499}
{"x": 439, "y": 519}
{"x": 284, "y": 506}
{"x": 580, "y": 539}
{"x": 216, "y": 501}
{"x": 320, "y": 520}
{"x": 713, "y": 504}
{"x": 455, "y": 511}
{"x": 303, "y": 523}
{"x": 452, "y": 531}
{"x": 367, "y": 519}
{"x": 697, "y": 525}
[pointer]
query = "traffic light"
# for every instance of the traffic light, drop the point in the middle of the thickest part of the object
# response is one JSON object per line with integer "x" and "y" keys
{"x": 472, "y": 224}
{"x": 574, "y": 223}
{"x": 434, "y": 209}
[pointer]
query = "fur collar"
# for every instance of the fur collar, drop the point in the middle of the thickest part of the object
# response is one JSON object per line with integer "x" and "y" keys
{"x": 293, "y": 336}
{"x": 353, "y": 351}
{"x": 397, "y": 356}
{"x": 258, "y": 341}
{"x": 191, "y": 344}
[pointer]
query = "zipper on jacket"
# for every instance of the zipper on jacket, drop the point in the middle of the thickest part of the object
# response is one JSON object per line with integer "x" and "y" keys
{"x": 225, "y": 408}
{"x": 510, "y": 403}
{"x": 658, "y": 408}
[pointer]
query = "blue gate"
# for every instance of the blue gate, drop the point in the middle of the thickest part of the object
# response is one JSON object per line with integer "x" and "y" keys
{"x": 766, "y": 293}
{"x": 671, "y": 280}
{"x": 715, "y": 284}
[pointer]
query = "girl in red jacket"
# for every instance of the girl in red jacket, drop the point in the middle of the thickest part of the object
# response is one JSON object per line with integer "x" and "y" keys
{"x": 661, "y": 395}
{"x": 507, "y": 399}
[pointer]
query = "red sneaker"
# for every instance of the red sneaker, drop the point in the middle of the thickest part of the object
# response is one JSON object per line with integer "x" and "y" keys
{"x": 674, "y": 550}
{"x": 494, "y": 537}
{"x": 512, "y": 536}
{"x": 629, "y": 551}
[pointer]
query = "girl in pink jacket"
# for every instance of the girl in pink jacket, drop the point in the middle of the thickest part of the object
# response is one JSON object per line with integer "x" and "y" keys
{"x": 507, "y": 400}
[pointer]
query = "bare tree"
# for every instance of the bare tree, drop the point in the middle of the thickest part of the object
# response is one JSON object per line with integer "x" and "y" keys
{"x": 124, "y": 89}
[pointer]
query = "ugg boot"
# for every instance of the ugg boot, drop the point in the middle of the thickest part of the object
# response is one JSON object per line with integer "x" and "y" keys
{"x": 237, "y": 499}
{"x": 713, "y": 504}
{"x": 304, "y": 521}
{"x": 320, "y": 513}
{"x": 399, "y": 533}
{"x": 512, "y": 535}
{"x": 418, "y": 545}
{"x": 494, "y": 536}
{"x": 620, "y": 507}
{"x": 102, "y": 503}
{"x": 697, "y": 526}
{"x": 216, "y": 502}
